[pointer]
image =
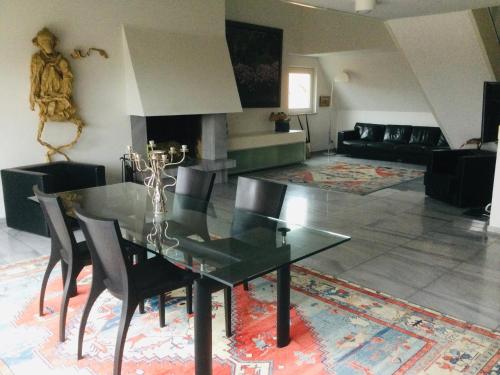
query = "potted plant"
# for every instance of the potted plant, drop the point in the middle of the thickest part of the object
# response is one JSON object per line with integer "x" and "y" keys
{"x": 281, "y": 121}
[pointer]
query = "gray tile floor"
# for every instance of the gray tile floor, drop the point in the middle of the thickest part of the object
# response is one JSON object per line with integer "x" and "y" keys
{"x": 403, "y": 243}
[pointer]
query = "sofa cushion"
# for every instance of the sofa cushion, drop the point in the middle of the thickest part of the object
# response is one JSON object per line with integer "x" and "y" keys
{"x": 385, "y": 146}
{"x": 355, "y": 143}
{"x": 397, "y": 133}
{"x": 442, "y": 141}
{"x": 425, "y": 135}
{"x": 370, "y": 132}
{"x": 413, "y": 148}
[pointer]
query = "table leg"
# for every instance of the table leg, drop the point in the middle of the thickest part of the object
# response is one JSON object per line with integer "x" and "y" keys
{"x": 283, "y": 307}
{"x": 203, "y": 327}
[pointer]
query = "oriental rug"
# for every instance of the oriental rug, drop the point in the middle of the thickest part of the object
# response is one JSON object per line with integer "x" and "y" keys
{"x": 359, "y": 179}
{"x": 336, "y": 328}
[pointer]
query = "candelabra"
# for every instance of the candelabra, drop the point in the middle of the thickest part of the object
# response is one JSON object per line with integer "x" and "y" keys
{"x": 152, "y": 168}
{"x": 159, "y": 238}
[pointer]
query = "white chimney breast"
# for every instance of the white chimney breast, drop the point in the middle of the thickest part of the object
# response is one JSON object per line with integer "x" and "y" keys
{"x": 178, "y": 74}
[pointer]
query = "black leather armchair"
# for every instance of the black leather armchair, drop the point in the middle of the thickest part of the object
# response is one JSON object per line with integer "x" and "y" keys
{"x": 463, "y": 178}
{"x": 24, "y": 214}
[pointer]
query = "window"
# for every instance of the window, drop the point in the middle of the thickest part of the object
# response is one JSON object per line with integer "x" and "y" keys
{"x": 301, "y": 87}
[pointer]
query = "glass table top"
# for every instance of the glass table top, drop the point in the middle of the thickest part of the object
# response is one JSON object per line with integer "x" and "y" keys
{"x": 229, "y": 246}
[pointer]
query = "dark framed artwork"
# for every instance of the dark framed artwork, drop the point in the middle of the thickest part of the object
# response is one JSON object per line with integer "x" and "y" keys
{"x": 256, "y": 57}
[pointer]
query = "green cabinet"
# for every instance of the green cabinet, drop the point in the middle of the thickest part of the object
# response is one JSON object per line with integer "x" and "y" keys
{"x": 266, "y": 157}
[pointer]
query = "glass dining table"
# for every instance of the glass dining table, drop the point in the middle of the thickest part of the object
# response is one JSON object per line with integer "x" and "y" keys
{"x": 227, "y": 247}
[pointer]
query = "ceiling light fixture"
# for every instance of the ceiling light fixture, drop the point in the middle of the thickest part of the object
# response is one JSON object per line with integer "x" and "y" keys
{"x": 364, "y": 6}
{"x": 342, "y": 77}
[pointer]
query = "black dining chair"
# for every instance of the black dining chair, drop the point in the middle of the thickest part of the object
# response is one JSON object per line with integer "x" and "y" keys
{"x": 192, "y": 195}
{"x": 192, "y": 183}
{"x": 195, "y": 183}
{"x": 73, "y": 255}
{"x": 258, "y": 197}
{"x": 131, "y": 284}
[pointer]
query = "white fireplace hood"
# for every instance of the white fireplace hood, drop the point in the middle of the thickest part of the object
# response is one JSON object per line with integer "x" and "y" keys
{"x": 177, "y": 74}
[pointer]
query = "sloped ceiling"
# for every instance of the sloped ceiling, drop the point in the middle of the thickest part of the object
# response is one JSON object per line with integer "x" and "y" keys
{"x": 390, "y": 9}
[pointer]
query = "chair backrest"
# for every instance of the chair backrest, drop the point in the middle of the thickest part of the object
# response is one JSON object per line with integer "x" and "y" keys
{"x": 260, "y": 196}
{"x": 60, "y": 229}
{"x": 104, "y": 241}
{"x": 195, "y": 183}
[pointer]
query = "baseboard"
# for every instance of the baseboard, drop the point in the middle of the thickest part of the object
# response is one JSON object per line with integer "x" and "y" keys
{"x": 493, "y": 229}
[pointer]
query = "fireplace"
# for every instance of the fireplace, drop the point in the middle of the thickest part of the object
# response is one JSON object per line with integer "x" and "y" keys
{"x": 205, "y": 135}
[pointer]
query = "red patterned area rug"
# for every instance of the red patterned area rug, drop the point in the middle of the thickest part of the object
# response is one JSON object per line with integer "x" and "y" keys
{"x": 336, "y": 328}
{"x": 347, "y": 177}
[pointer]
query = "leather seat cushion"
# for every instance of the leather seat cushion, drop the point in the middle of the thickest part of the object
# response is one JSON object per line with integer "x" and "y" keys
{"x": 413, "y": 148}
{"x": 442, "y": 142}
{"x": 397, "y": 133}
{"x": 370, "y": 132}
{"x": 425, "y": 135}
{"x": 355, "y": 143}
{"x": 388, "y": 146}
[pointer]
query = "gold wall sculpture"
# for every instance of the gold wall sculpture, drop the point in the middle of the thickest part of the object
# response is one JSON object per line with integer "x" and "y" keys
{"x": 78, "y": 54}
{"x": 51, "y": 90}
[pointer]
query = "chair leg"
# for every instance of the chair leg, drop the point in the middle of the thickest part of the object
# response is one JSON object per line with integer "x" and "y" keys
{"x": 189, "y": 299}
{"x": 73, "y": 271}
{"x": 72, "y": 288}
{"x": 140, "y": 258}
{"x": 54, "y": 258}
{"x": 128, "y": 308}
{"x": 227, "y": 310}
{"x": 161, "y": 309}
{"x": 95, "y": 291}
{"x": 245, "y": 285}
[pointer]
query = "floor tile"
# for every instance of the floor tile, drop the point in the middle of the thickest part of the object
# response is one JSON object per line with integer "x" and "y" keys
{"x": 465, "y": 286}
{"x": 402, "y": 270}
{"x": 342, "y": 258}
{"x": 388, "y": 237}
{"x": 382, "y": 283}
{"x": 39, "y": 243}
{"x": 462, "y": 309}
{"x": 487, "y": 258}
{"x": 454, "y": 251}
{"x": 13, "y": 250}
{"x": 425, "y": 257}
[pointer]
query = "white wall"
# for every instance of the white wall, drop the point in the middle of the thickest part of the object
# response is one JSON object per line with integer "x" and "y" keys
{"x": 99, "y": 88}
{"x": 330, "y": 31}
{"x": 495, "y": 204}
{"x": 257, "y": 119}
{"x": 346, "y": 119}
{"x": 382, "y": 89}
{"x": 448, "y": 58}
{"x": 287, "y": 17}
{"x": 305, "y": 31}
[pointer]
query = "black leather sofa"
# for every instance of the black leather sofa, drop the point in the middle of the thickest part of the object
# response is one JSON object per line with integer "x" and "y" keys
{"x": 463, "y": 178}
{"x": 412, "y": 144}
{"x": 24, "y": 214}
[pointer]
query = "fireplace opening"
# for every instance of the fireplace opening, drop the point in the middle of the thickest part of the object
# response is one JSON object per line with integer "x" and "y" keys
{"x": 171, "y": 131}
{"x": 205, "y": 136}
